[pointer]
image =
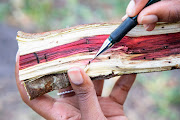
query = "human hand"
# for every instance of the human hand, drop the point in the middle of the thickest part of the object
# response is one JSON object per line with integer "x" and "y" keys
{"x": 162, "y": 11}
{"x": 86, "y": 104}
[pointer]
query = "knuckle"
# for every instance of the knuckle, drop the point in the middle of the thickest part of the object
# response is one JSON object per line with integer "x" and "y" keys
{"x": 174, "y": 14}
{"x": 85, "y": 93}
{"x": 124, "y": 87}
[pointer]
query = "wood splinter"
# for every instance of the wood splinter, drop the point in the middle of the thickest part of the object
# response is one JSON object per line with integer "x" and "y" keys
{"x": 46, "y": 57}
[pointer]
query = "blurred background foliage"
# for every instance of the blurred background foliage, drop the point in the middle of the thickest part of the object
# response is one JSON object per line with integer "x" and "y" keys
{"x": 153, "y": 95}
{"x": 55, "y": 14}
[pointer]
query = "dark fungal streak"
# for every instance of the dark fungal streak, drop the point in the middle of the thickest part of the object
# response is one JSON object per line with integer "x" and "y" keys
{"x": 45, "y": 57}
{"x": 144, "y": 57}
{"x": 109, "y": 57}
{"x": 87, "y": 41}
{"x": 35, "y": 54}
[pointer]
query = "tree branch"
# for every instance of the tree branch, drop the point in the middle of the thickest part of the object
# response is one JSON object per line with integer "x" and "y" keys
{"x": 46, "y": 57}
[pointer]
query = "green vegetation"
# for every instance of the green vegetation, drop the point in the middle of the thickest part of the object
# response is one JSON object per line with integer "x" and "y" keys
{"x": 165, "y": 91}
{"x": 4, "y": 11}
{"x": 49, "y": 15}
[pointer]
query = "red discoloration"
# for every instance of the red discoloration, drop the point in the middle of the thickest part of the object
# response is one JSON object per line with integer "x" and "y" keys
{"x": 154, "y": 47}
{"x": 73, "y": 48}
{"x": 148, "y": 47}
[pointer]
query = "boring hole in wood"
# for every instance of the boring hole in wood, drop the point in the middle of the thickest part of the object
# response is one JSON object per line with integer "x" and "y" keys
{"x": 165, "y": 47}
{"x": 45, "y": 57}
{"x": 87, "y": 41}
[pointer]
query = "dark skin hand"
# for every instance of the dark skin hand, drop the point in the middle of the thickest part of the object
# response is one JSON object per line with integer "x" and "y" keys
{"x": 162, "y": 11}
{"x": 86, "y": 103}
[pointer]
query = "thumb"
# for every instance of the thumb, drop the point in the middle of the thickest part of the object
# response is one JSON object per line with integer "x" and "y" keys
{"x": 86, "y": 95}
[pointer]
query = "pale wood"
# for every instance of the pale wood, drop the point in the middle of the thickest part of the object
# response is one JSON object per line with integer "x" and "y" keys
{"x": 35, "y": 77}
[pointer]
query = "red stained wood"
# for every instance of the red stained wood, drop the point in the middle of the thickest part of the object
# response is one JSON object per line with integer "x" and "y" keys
{"x": 149, "y": 48}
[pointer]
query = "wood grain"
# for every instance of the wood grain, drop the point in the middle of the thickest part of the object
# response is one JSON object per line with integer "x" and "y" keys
{"x": 46, "y": 57}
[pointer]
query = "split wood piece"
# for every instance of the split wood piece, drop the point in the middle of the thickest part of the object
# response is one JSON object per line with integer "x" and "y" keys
{"x": 46, "y": 57}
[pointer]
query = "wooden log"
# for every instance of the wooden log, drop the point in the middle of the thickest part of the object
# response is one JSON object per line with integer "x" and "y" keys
{"x": 46, "y": 57}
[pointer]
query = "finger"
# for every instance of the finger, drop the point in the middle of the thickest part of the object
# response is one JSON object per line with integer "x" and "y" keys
{"x": 122, "y": 87}
{"x": 98, "y": 85}
{"x": 149, "y": 27}
{"x": 135, "y": 6}
{"x": 41, "y": 105}
{"x": 86, "y": 95}
{"x": 163, "y": 11}
{"x": 124, "y": 17}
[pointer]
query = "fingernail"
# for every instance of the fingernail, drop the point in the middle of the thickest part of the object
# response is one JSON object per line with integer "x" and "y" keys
{"x": 130, "y": 8}
{"x": 149, "y": 19}
{"x": 124, "y": 17}
{"x": 149, "y": 27}
{"x": 75, "y": 76}
{"x": 146, "y": 26}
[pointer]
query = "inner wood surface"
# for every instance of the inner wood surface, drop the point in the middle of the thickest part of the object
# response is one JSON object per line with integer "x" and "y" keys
{"x": 46, "y": 57}
{"x": 148, "y": 47}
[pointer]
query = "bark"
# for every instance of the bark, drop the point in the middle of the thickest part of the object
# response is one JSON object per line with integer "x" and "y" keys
{"x": 46, "y": 57}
